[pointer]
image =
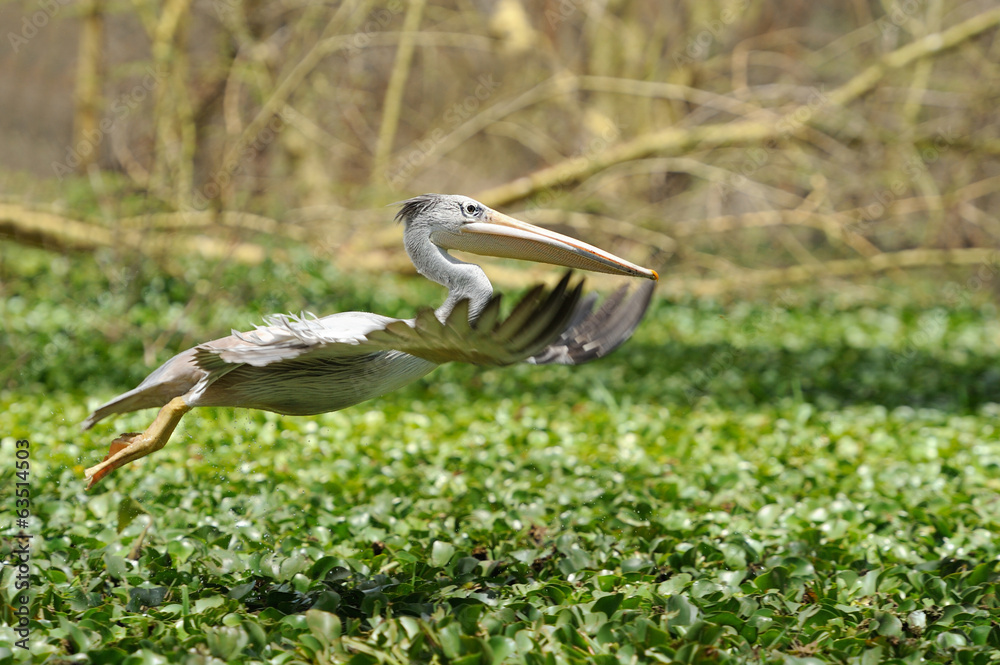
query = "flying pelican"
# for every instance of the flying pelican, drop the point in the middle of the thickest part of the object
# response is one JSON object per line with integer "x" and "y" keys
{"x": 306, "y": 365}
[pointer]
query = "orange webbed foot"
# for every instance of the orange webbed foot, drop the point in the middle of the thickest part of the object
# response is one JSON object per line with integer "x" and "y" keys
{"x": 132, "y": 446}
{"x": 121, "y": 443}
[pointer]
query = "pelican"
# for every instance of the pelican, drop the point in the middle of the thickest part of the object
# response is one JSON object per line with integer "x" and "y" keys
{"x": 306, "y": 365}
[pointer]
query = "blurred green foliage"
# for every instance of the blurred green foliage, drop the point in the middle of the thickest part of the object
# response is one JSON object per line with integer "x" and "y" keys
{"x": 807, "y": 481}
{"x": 797, "y": 478}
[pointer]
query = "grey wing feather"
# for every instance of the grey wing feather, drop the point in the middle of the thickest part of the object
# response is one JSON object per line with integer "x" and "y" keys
{"x": 174, "y": 377}
{"x": 286, "y": 336}
{"x": 592, "y": 335}
{"x": 537, "y": 321}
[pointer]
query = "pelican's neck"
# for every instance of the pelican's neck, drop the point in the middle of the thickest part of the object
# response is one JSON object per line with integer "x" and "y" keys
{"x": 463, "y": 280}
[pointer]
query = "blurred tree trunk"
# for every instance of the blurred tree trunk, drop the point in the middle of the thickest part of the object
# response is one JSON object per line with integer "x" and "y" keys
{"x": 86, "y": 134}
{"x": 393, "y": 102}
{"x": 175, "y": 132}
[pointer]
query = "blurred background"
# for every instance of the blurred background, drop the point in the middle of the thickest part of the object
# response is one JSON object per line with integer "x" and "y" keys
{"x": 736, "y": 145}
{"x": 806, "y": 419}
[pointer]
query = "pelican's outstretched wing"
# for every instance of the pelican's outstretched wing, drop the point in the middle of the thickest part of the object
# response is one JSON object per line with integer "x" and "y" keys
{"x": 592, "y": 335}
{"x": 554, "y": 326}
{"x": 538, "y": 320}
{"x": 286, "y": 336}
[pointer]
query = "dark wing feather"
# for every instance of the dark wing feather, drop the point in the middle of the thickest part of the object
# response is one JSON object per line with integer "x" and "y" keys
{"x": 537, "y": 321}
{"x": 592, "y": 335}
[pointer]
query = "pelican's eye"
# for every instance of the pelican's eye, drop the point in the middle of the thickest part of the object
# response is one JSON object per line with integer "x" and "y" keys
{"x": 472, "y": 209}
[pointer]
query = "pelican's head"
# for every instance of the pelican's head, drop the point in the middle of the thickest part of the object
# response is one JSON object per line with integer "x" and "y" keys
{"x": 457, "y": 222}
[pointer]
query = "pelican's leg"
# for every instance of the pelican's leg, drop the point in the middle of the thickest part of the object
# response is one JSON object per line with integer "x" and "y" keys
{"x": 130, "y": 447}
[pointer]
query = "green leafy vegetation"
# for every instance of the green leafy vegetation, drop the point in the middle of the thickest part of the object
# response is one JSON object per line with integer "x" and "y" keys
{"x": 814, "y": 481}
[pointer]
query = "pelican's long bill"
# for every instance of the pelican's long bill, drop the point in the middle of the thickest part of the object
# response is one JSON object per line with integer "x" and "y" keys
{"x": 505, "y": 237}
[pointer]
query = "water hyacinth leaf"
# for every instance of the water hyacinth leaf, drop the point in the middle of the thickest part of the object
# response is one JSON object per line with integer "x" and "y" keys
{"x": 211, "y": 602}
{"x": 128, "y": 510}
{"x": 980, "y": 635}
{"x": 115, "y": 565}
{"x": 684, "y": 612}
{"x": 981, "y": 574}
{"x": 180, "y": 549}
{"x": 575, "y": 559}
{"x": 450, "y": 637}
{"x": 441, "y": 553}
{"x": 406, "y": 557}
{"x": 727, "y": 619}
{"x": 465, "y": 565}
{"x": 324, "y": 626}
{"x": 501, "y": 647}
{"x": 141, "y": 598}
{"x": 655, "y": 636}
{"x": 80, "y": 640}
{"x": 608, "y": 604}
{"x": 327, "y": 601}
{"x": 108, "y": 656}
{"x": 324, "y": 565}
{"x": 776, "y": 578}
{"x": 226, "y": 642}
{"x": 951, "y": 640}
{"x": 474, "y": 516}
{"x": 888, "y": 625}
{"x": 241, "y": 590}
